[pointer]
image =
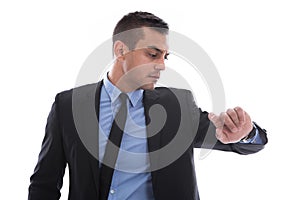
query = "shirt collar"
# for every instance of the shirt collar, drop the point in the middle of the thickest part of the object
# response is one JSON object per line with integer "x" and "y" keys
{"x": 114, "y": 92}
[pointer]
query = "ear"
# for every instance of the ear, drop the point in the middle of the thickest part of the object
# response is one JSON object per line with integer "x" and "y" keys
{"x": 120, "y": 49}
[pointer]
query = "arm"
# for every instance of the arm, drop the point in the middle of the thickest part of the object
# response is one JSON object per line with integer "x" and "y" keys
{"x": 47, "y": 179}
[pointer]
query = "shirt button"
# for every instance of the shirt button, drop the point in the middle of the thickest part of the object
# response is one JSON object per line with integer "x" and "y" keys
{"x": 112, "y": 191}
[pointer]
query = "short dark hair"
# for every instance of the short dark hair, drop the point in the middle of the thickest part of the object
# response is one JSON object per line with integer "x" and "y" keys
{"x": 134, "y": 21}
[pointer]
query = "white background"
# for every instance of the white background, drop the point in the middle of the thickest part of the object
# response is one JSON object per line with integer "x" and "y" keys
{"x": 255, "y": 46}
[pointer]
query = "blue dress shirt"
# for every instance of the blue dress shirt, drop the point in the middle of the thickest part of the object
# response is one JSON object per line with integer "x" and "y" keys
{"x": 131, "y": 178}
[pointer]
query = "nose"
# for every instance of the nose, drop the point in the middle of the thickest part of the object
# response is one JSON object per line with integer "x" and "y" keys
{"x": 160, "y": 64}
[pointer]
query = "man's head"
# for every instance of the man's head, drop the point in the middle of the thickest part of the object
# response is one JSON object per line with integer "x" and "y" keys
{"x": 132, "y": 23}
{"x": 140, "y": 46}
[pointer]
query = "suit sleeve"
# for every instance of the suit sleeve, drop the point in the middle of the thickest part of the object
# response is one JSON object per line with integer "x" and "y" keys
{"x": 205, "y": 133}
{"x": 47, "y": 179}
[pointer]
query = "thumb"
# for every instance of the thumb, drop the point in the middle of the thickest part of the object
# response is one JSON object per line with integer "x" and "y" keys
{"x": 216, "y": 120}
{"x": 213, "y": 118}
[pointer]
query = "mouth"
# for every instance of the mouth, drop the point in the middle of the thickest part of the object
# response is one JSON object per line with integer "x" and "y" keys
{"x": 154, "y": 75}
{"x": 155, "y": 78}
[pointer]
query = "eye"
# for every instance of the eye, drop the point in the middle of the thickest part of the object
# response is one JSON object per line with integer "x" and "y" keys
{"x": 152, "y": 55}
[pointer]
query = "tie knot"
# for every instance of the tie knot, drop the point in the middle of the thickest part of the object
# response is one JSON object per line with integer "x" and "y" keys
{"x": 123, "y": 97}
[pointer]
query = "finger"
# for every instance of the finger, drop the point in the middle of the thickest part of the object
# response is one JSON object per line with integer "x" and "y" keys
{"x": 241, "y": 114}
{"x": 221, "y": 135}
{"x": 216, "y": 120}
{"x": 226, "y": 131}
{"x": 247, "y": 117}
{"x": 234, "y": 116}
{"x": 228, "y": 122}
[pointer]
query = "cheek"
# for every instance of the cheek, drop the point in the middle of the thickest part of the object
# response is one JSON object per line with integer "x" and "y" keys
{"x": 138, "y": 59}
{"x": 140, "y": 66}
{"x": 130, "y": 64}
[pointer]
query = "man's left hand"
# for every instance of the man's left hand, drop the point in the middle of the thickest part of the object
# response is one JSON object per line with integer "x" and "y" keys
{"x": 232, "y": 125}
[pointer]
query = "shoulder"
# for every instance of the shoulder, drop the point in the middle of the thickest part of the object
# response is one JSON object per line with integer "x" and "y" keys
{"x": 168, "y": 95}
{"x": 83, "y": 91}
{"x": 169, "y": 91}
{"x": 164, "y": 89}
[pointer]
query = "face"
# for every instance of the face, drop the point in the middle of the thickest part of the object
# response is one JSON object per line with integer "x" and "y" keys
{"x": 142, "y": 66}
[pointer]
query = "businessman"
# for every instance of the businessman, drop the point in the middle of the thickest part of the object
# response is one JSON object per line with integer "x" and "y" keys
{"x": 140, "y": 145}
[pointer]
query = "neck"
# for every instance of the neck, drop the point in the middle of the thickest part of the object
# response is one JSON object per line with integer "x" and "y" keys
{"x": 119, "y": 79}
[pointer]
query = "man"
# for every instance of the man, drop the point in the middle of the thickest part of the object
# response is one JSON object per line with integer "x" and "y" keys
{"x": 161, "y": 128}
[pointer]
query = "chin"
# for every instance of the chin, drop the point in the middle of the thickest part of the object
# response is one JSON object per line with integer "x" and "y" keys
{"x": 149, "y": 86}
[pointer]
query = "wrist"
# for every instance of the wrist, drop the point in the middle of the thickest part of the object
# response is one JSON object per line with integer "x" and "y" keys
{"x": 250, "y": 135}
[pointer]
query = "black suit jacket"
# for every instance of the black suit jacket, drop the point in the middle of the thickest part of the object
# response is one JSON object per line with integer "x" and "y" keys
{"x": 72, "y": 138}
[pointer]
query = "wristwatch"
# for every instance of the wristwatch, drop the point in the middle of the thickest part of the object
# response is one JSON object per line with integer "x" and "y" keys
{"x": 250, "y": 135}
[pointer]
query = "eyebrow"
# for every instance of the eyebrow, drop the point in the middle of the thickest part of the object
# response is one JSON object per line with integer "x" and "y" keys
{"x": 157, "y": 49}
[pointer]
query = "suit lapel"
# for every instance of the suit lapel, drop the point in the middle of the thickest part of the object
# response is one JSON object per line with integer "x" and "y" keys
{"x": 94, "y": 162}
{"x": 151, "y": 98}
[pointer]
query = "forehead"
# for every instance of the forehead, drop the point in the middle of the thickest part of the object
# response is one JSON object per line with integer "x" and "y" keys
{"x": 152, "y": 38}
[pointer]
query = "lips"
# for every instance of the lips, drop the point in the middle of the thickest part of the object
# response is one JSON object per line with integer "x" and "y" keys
{"x": 156, "y": 77}
{"x": 153, "y": 79}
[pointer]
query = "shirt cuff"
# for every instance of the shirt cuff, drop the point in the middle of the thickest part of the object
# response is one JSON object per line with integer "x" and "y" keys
{"x": 256, "y": 139}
